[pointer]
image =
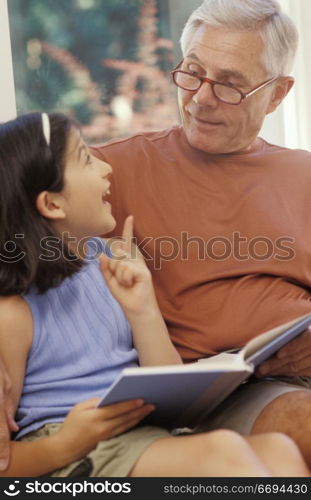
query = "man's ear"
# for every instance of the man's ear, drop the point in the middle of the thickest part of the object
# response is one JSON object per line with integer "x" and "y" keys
{"x": 49, "y": 205}
{"x": 282, "y": 87}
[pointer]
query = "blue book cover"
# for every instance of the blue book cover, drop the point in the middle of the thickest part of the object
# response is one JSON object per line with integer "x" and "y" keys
{"x": 185, "y": 394}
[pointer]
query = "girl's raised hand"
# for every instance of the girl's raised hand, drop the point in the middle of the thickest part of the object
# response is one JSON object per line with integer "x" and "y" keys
{"x": 129, "y": 280}
{"x": 127, "y": 275}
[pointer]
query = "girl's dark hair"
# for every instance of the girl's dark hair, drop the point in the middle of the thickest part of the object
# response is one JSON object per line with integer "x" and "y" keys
{"x": 31, "y": 253}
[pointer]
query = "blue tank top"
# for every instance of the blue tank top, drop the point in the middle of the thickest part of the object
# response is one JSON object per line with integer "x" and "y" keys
{"x": 81, "y": 341}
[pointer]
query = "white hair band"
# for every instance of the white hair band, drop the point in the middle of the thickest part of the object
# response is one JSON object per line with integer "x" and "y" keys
{"x": 46, "y": 127}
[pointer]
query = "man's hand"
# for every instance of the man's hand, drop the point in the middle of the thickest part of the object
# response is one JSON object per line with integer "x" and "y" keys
{"x": 7, "y": 423}
{"x": 293, "y": 359}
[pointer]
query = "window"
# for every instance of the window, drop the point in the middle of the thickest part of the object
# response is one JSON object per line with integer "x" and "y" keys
{"x": 107, "y": 62}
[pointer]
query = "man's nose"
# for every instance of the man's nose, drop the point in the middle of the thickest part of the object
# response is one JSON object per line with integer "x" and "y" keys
{"x": 205, "y": 96}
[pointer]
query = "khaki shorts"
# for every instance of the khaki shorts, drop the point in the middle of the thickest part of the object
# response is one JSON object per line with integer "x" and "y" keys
{"x": 240, "y": 410}
{"x": 113, "y": 457}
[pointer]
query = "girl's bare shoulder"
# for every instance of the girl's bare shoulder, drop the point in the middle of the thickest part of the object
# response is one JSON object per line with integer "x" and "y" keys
{"x": 15, "y": 316}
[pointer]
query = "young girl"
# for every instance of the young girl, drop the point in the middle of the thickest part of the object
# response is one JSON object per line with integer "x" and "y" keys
{"x": 71, "y": 318}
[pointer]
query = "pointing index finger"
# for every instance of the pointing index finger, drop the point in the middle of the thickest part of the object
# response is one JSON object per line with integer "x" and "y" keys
{"x": 127, "y": 233}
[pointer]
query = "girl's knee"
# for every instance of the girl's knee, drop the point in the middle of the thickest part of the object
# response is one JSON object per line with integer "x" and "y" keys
{"x": 230, "y": 451}
{"x": 224, "y": 438}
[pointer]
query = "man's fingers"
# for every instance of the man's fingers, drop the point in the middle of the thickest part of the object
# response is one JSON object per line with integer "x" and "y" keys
{"x": 13, "y": 427}
{"x": 4, "y": 440}
{"x": 297, "y": 346}
{"x": 6, "y": 418}
{"x": 300, "y": 367}
{"x": 267, "y": 367}
{"x": 286, "y": 366}
{"x": 9, "y": 413}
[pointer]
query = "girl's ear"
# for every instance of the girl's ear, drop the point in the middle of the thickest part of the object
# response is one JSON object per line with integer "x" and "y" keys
{"x": 49, "y": 205}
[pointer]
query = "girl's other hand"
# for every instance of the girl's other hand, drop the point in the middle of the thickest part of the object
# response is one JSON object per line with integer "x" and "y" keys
{"x": 86, "y": 425}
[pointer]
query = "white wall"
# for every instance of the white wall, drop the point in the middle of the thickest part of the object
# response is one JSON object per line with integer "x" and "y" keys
{"x": 290, "y": 125}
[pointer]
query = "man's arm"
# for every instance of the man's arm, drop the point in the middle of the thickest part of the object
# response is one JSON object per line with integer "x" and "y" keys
{"x": 15, "y": 341}
{"x": 7, "y": 422}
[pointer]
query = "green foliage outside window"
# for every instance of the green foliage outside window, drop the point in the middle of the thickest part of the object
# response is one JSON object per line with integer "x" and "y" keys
{"x": 104, "y": 62}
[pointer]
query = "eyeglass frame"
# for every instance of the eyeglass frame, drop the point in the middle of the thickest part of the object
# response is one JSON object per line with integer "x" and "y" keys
{"x": 203, "y": 79}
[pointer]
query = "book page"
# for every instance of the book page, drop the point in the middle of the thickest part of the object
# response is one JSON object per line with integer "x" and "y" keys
{"x": 224, "y": 357}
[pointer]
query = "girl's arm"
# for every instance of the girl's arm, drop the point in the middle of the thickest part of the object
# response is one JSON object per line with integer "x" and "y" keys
{"x": 130, "y": 282}
{"x": 85, "y": 424}
{"x": 83, "y": 428}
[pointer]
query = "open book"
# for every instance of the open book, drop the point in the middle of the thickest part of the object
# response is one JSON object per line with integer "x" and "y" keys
{"x": 185, "y": 394}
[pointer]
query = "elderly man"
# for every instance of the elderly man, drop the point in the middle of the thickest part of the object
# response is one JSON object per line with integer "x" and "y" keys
{"x": 222, "y": 216}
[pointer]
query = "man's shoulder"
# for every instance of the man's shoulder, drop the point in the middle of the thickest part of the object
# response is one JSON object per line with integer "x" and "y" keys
{"x": 270, "y": 148}
{"x": 136, "y": 142}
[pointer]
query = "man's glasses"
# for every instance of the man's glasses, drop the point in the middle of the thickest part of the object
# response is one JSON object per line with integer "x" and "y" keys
{"x": 224, "y": 92}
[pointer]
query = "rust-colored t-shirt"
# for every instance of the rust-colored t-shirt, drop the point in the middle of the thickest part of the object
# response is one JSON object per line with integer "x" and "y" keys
{"x": 227, "y": 237}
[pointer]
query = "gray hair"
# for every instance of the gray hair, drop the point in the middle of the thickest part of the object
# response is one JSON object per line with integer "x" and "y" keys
{"x": 277, "y": 30}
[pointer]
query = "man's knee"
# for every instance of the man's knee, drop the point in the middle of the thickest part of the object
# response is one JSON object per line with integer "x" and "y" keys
{"x": 272, "y": 441}
{"x": 287, "y": 413}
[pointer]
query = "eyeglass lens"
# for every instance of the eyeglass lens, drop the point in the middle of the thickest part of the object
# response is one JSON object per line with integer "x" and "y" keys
{"x": 191, "y": 82}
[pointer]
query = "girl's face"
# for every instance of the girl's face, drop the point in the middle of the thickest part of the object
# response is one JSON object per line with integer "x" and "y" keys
{"x": 87, "y": 213}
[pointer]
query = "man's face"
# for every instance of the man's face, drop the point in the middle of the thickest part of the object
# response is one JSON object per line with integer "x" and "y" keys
{"x": 228, "y": 57}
